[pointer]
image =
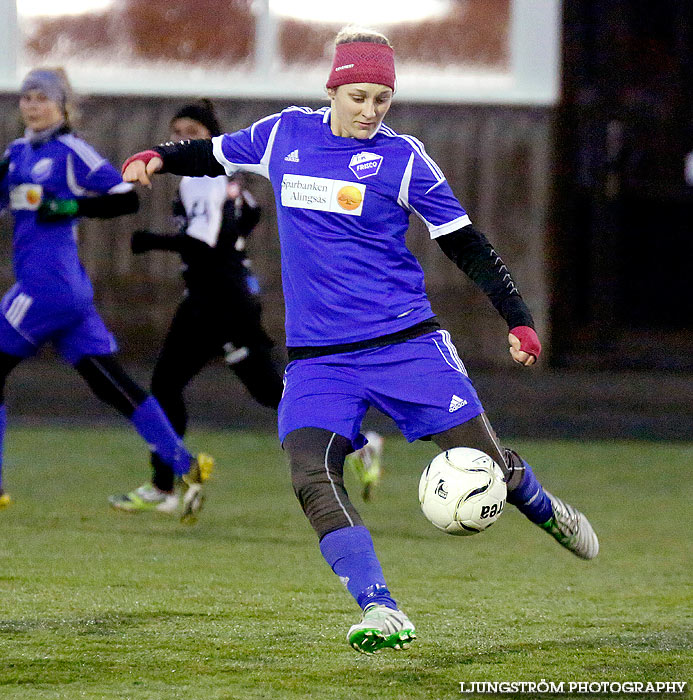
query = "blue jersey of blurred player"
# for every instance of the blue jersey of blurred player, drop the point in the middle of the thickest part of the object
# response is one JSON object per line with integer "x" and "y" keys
{"x": 360, "y": 329}
{"x": 49, "y": 179}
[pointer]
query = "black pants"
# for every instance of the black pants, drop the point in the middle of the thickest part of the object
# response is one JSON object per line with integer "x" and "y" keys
{"x": 198, "y": 334}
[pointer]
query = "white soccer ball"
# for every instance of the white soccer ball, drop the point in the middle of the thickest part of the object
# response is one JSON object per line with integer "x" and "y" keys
{"x": 462, "y": 491}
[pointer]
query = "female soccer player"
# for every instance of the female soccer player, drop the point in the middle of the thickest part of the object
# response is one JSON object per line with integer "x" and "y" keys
{"x": 220, "y": 312}
{"x": 360, "y": 329}
{"x": 50, "y": 179}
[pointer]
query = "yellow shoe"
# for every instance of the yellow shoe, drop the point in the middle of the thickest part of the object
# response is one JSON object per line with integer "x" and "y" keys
{"x": 5, "y": 500}
{"x": 193, "y": 496}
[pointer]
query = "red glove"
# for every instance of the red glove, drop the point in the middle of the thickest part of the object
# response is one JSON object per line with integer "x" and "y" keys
{"x": 144, "y": 156}
{"x": 529, "y": 341}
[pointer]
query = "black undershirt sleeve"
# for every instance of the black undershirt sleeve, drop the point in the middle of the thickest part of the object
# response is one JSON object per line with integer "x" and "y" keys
{"x": 471, "y": 251}
{"x": 194, "y": 158}
{"x": 108, "y": 206}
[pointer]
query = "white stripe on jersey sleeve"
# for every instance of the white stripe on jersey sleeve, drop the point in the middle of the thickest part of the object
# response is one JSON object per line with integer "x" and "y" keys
{"x": 437, "y": 231}
{"x": 203, "y": 199}
{"x": 261, "y": 168}
{"x": 83, "y": 150}
{"x": 121, "y": 187}
{"x": 72, "y": 183}
{"x": 418, "y": 147}
{"x": 403, "y": 197}
{"x": 259, "y": 121}
{"x": 403, "y": 201}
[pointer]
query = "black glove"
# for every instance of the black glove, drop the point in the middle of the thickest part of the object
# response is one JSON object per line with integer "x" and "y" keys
{"x": 142, "y": 241}
{"x": 55, "y": 209}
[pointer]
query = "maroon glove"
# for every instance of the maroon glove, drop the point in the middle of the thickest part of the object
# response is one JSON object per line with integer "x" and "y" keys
{"x": 529, "y": 341}
{"x": 144, "y": 156}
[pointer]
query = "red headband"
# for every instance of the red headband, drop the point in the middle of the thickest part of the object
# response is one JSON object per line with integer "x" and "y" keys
{"x": 362, "y": 62}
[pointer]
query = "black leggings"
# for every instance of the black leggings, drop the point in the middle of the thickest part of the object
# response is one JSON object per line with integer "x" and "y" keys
{"x": 102, "y": 373}
{"x": 196, "y": 336}
{"x": 317, "y": 457}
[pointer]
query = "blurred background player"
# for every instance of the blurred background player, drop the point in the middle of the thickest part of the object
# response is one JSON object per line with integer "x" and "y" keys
{"x": 219, "y": 315}
{"x": 359, "y": 326}
{"x": 50, "y": 179}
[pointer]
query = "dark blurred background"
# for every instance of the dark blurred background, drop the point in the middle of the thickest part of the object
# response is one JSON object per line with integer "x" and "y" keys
{"x": 586, "y": 201}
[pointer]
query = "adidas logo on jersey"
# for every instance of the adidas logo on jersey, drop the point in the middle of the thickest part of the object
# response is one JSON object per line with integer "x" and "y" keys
{"x": 292, "y": 157}
{"x": 456, "y": 402}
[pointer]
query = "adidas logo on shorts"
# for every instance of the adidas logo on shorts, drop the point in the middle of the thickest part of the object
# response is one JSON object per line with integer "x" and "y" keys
{"x": 456, "y": 402}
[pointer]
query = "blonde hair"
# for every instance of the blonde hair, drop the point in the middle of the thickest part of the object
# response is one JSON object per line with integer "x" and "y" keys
{"x": 353, "y": 33}
{"x": 71, "y": 112}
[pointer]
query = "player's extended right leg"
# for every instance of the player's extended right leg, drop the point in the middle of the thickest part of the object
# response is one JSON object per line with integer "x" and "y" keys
{"x": 565, "y": 523}
{"x": 381, "y": 628}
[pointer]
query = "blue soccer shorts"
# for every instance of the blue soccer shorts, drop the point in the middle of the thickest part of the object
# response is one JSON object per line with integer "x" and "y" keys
{"x": 420, "y": 383}
{"x": 28, "y": 321}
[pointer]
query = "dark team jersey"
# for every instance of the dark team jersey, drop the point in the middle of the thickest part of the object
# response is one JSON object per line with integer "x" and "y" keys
{"x": 214, "y": 222}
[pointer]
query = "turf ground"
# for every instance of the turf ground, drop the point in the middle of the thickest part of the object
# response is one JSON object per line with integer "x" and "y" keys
{"x": 97, "y": 604}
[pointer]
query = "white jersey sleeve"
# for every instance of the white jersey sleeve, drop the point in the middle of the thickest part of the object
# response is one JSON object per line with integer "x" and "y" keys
{"x": 425, "y": 192}
{"x": 248, "y": 150}
{"x": 203, "y": 199}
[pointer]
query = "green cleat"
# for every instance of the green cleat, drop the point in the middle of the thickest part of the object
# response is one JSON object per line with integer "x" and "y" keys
{"x": 193, "y": 497}
{"x": 381, "y": 628}
{"x": 146, "y": 498}
{"x": 570, "y": 528}
{"x": 366, "y": 464}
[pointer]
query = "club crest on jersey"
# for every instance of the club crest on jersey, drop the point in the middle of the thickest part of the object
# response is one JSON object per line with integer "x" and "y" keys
{"x": 41, "y": 170}
{"x": 322, "y": 194}
{"x": 365, "y": 164}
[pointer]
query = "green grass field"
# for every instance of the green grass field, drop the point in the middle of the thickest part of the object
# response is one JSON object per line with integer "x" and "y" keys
{"x": 98, "y": 604}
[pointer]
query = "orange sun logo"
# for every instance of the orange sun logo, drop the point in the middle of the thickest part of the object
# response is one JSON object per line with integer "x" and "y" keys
{"x": 33, "y": 197}
{"x": 349, "y": 197}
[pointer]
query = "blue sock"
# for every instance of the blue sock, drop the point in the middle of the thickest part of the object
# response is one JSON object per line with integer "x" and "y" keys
{"x": 3, "y": 424}
{"x": 154, "y": 427}
{"x": 349, "y": 551}
{"x": 530, "y": 498}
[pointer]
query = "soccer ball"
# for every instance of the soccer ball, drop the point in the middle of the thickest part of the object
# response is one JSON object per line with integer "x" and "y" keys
{"x": 462, "y": 491}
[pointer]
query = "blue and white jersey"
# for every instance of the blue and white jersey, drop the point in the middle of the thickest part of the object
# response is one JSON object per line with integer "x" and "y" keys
{"x": 46, "y": 262}
{"x": 343, "y": 208}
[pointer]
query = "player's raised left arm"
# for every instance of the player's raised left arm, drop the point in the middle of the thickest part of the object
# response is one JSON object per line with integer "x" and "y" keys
{"x": 471, "y": 251}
